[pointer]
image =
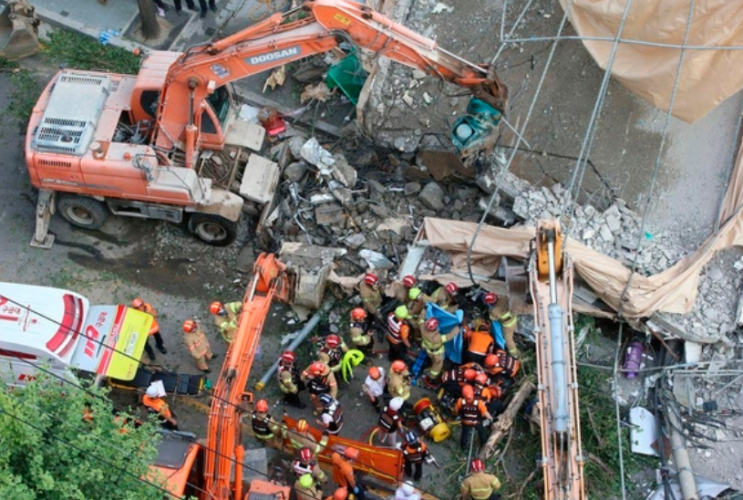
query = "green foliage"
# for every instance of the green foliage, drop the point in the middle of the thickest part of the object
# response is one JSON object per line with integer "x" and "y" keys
{"x": 48, "y": 452}
{"x": 25, "y": 90}
{"x": 82, "y": 52}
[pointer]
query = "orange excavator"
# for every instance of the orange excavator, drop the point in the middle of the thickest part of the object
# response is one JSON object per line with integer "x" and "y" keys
{"x": 167, "y": 143}
{"x": 214, "y": 471}
{"x": 551, "y": 283}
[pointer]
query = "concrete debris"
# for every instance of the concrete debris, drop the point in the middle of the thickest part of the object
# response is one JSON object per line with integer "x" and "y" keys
{"x": 316, "y": 155}
{"x": 432, "y": 196}
{"x": 318, "y": 91}
{"x": 294, "y": 172}
{"x": 441, "y": 7}
{"x": 376, "y": 260}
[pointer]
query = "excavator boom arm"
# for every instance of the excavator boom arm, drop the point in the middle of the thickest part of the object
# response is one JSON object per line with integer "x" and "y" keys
{"x": 284, "y": 38}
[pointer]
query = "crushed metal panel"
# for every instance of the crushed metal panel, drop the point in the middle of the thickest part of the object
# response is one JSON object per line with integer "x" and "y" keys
{"x": 644, "y": 431}
{"x": 259, "y": 180}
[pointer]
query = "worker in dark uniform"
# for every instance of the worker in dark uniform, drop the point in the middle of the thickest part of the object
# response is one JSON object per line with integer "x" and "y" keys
{"x": 319, "y": 380}
{"x": 390, "y": 421}
{"x": 264, "y": 426}
{"x": 334, "y": 348}
{"x": 414, "y": 452}
{"x": 473, "y": 414}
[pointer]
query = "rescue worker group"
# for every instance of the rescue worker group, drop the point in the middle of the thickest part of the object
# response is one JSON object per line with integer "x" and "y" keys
{"x": 410, "y": 317}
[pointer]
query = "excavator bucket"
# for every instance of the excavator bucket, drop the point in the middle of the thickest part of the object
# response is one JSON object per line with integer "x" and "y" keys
{"x": 18, "y": 30}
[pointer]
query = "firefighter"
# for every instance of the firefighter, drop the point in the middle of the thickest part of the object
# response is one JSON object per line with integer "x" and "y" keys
{"x": 490, "y": 394}
{"x": 433, "y": 343}
{"x": 306, "y": 488}
{"x": 343, "y": 474}
{"x": 406, "y": 491}
{"x": 339, "y": 494}
{"x": 479, "y": 345}
{"x": 473, "y": 413}
{"x": 398, "y": 383}
{"x": 390, "y": 421}
{"x": 141, "y": 305}
{"x": 334, "y": 348}
{"x": 157, "y": 406}
{"x": 319, "y": 380}
{"x": 398, "y": 333}
{"x": 445, "y": 297}
{"x": 416, "y": 304}
{"x": 197, "y": 345}
{"x": 414, "y": 452}
{"x": 500, "y": 363}
{"x": 398, "y": 290}
{"x": 371, "y": 296}
{"x": 479, "y": 485}
{"x": 362, "y": 338}
{"x": 456, "y": 378}
{"x": 331, "y": 417}
{"x": 374, "y": 386}
{"x": 301, "y": 437}
{"x": 306, "y": 464}
{"x": 225, "y": 317}
{"x": 289, "y": 380}
{"x": 498, "y": 310}
{"x": 265, "y": 428}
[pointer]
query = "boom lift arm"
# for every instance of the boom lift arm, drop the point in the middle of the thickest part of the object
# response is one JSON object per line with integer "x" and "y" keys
{"x": 316, "y": 27}
{"x": 551, "y": 286}
{"x": 223, "y": 449}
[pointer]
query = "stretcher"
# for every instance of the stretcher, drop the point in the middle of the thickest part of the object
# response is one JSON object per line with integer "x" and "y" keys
{"x": 178, "y": 384}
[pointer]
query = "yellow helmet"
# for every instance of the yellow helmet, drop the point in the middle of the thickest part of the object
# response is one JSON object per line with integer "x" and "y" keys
{"x": 414, "y": 293}
{"x": 401, "y": 312}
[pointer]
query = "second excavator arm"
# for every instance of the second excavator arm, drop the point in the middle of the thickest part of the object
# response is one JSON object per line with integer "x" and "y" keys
{"x": 316, "y": 27}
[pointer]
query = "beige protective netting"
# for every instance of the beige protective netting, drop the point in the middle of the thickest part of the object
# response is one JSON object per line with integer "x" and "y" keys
{"x": 708, "y": 77}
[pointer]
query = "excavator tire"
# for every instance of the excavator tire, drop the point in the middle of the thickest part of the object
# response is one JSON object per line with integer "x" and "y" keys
{"x": 83, "y": 212}
{"x": 212, "y": 229}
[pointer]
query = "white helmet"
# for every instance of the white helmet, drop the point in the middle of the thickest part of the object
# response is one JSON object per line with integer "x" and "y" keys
{"x": 152, "y": 392}
{"x": 396, "y": 403}
{"x": 408, "y": 488}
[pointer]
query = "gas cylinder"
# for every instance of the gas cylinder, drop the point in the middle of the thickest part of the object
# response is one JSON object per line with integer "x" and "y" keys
{"x": 632, "y": 358}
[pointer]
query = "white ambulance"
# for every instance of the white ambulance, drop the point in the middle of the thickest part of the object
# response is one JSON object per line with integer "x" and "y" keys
{"x": 58, "y": 331}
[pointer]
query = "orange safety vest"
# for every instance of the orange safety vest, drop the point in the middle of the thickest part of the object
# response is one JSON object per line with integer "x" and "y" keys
{"x": 157, "y": 406}
{"x": 147, "y": 308}
{"x": 396, "y": 330}
{"x": 480, "y": 343}
{"x": 470, "y": 412}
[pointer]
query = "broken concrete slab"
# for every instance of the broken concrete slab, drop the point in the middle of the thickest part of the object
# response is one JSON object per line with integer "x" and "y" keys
{"x": 295, "y": 171}
{"x": 442, "y": 164}
{"x": 260, "y": 179}
{"x": 329, "y": 214}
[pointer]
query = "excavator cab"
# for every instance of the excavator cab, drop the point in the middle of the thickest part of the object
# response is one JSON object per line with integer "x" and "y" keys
{"x": 477, "y": 130}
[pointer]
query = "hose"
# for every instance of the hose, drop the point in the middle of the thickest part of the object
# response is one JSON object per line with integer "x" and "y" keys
{"x": 351, "y": 359}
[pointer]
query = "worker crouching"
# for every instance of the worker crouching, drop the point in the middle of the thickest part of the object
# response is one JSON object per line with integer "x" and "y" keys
{"x": 480, "y": 485}
{"x": 331, "y": 418}
{"x": 225, "y": 317}
{"x": 158, "y": 407}
{"x": 499, "y": 310}
{"x": 334, "y": 348}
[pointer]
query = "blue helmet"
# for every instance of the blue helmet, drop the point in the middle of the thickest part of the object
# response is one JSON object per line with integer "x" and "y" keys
{"x": 411, "y": 437}
{"x": 326, "y": 400}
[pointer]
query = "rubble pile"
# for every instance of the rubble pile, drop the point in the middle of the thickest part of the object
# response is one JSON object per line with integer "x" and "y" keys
{"x": 328, "y": 202}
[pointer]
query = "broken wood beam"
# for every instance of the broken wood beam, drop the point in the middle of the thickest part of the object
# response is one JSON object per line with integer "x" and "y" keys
{"x": 505, "y": 420}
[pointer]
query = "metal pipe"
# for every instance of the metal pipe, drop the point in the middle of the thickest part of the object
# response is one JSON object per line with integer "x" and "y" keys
{"x": 551, "y": 266}
{"x": 681, "y": 457}
{"x": 629, "y": 41}
{"x": 311, "y": 324}
{"x": 558, "y": 365}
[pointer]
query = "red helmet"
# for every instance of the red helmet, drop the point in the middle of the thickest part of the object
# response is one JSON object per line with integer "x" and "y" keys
{"x": 432, "y": 324}
{"x": 332, "y": 341}
{"x": 288, "y": 357}
{"x": 468, "y": 393}
{"x": 351, "y": 453}
{"x": 491, "y": 360}
{"x": 215, "y": 307}
{"x": 358, "y": 314}
{"x": 452, "y": 288}
{"x": 305, "y": 455}
{"x": 340, "y": 494}
{"x": 371, "y": 279}
{"x": 482, "y": 378}
{"x": 261, "y": 406}
{"x": 409, "y": 281}
{"x": 189, "y": 325}
{"x": 470, "y": 374}
{"x": 318, "y": 369}
{"x": 137, "y": 303}
{"x": 398, "y": 366}
{"x": 477, "y": 465}
{"x": 374, "y": 373}
{"x": 490, "y": 298}
{"x": 302, "y": 425}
